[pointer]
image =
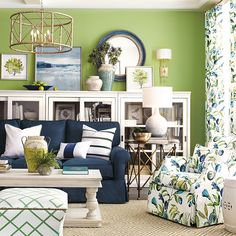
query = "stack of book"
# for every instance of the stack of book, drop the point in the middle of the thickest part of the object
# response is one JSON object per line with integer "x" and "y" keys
{"x": 4, "y": 166}
{"x": 75, "y": 170}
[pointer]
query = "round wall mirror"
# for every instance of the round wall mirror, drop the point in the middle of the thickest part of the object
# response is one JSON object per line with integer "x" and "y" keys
{"x": 133, "y": 51}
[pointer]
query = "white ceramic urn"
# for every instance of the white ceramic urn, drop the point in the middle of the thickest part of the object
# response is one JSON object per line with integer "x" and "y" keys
{"x": 94, "y": 83}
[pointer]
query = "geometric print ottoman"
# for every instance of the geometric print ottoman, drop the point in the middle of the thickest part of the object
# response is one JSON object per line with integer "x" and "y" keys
{"x": 32, "y": 211}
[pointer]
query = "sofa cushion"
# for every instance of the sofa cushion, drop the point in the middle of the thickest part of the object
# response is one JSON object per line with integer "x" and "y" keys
{"x": 104, "y": 166}
{"x": 177, "y": 180}
{"x": 74, "y": 130}
{"x": 101, "y": 141}
{"x": 68, "y": 150}
{"x": 53, "y": 129}
{"x": 15, "y": 123}
{"x": 14, "y": 135}
{"x": 199, "y": 155}
{"x": 19, "y": 163}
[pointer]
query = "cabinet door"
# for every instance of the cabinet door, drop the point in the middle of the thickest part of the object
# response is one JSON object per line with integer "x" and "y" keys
{"x": 177, "y": 132}
{"x": 98, "y": 109}
{"x": 132, "y": 115}
{"x": 63, "y": 108}
{"x": 28, "y": 108}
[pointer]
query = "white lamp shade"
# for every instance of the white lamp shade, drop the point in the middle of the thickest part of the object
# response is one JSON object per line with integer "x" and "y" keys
{"x": 159, "y": 97}
{"x": 164, "y": 54}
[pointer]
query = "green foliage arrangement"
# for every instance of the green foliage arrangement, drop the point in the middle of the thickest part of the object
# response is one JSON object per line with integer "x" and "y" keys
{"x": 46, "y": 160}
{"x": 98, "y": 55}
{"x": 14, "y": 66}
{"x": 140, "y": 76}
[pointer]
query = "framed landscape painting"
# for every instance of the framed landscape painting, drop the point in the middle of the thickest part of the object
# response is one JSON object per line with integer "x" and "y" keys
{"x": 61, "y": 70}
{"x": 14, "y": 67}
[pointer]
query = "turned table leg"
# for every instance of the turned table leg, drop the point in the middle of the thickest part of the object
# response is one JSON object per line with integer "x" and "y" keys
{"x": 92, "y": 203}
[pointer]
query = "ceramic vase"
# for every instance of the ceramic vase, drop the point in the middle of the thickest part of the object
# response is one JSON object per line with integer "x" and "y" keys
{"x": 44, "y": 170}
{"x": 106, "y": 73}
{"x": 33, "y": 145}
{"x": 94, "y": 83}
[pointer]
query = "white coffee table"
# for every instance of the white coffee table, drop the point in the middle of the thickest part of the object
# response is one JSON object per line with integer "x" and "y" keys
{"x": 78, "y": 215}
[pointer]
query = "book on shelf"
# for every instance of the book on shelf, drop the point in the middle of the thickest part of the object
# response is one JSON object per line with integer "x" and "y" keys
{"x": 3, "y": 162}
{"x": 66, "y": 172}
{"x": 75, "y": 170}
{"x": 5, "y": 167}
{"x": 17, "y": 111}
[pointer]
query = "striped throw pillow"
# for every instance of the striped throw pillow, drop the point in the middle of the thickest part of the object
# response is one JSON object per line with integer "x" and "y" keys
{"x": 101, "y": 141}
{"x": 70, "y": 150}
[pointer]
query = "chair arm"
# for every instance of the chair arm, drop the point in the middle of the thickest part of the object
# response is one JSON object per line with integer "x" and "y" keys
{"x": 170, "y": 164}
{"x": 208, "y": 190}
{"x": 174, "y": 163}
{"x": 119, "y": 159}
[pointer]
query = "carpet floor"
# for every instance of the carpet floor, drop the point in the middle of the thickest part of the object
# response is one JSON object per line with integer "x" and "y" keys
{"x": 131, "y": 219}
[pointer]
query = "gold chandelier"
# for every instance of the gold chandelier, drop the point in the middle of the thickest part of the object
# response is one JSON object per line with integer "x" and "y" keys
{"x": 41, "y": 32}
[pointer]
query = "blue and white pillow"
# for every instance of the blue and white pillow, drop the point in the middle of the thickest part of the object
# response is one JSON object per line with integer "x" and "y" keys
{"x": 101, "y": 141}
{"x": 70, "y": 150}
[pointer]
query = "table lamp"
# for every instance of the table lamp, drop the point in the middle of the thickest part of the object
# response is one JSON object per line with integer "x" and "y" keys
{"x": 157, "y": 97}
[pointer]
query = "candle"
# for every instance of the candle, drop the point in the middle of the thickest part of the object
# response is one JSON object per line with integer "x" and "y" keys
{"x": 32, "y": 35}
{"x": 48, "y": 35}
{"x": 37, "y": 35}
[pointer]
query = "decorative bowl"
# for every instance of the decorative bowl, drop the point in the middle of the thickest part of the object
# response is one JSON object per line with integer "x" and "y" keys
{"x": 30, "y": 115}
{"x": 141, "y": 137}
{"x": 36, "y": 87}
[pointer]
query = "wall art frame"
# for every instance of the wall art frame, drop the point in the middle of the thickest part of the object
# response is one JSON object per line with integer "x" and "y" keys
{"x": 65, "y": 111}
{"x": 61, "y": 70}
{"x": 13, "y": 66}
{"x": 134, "y": 75}
{"x": 135, "y": 112}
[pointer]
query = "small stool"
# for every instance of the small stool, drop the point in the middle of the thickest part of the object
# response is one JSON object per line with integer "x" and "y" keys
{"x": 32, "y": 211}
{"x": 229, "y": 204}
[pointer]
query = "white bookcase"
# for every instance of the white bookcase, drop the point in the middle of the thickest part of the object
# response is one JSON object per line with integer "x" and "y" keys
{"x": 83, "y": 105}
{"x": 132, "y": 115}
{"x": 22, "y": 105}
{"x": 124, "y": 107}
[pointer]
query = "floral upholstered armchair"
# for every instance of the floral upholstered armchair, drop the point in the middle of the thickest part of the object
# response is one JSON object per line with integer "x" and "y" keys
{"x": 189, "y": 190}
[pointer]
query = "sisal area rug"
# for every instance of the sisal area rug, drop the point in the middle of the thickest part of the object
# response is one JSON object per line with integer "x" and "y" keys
{"x": 131, "y": 219}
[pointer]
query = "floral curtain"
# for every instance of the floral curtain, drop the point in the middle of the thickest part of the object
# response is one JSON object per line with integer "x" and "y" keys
{"x": 232, "y": 15}
{"x": 220, "y": 35}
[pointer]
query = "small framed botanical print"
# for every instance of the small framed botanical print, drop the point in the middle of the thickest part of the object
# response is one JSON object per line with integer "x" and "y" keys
{"x": 13, "y": 66}
{"x": 65, "y": 111}
{"x": 138, "y": 77}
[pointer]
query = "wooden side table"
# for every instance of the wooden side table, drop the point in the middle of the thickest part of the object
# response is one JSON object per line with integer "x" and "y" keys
{"x": 136, "y": 149}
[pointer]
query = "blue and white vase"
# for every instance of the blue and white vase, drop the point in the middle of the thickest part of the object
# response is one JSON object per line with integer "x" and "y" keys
{"x": 106, "y": 73}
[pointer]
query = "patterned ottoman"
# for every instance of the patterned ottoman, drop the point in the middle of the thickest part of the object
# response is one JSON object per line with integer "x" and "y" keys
{"x": 32, "y": 211}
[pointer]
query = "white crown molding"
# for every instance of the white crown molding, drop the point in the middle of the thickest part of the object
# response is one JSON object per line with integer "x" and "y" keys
{"x": 108, "y": 4}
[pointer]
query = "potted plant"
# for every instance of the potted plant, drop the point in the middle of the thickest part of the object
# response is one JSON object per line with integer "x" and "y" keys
{"x": 141, "y": 135}
{"x": 105, "y": 57}
{"x": 45, "y": 162}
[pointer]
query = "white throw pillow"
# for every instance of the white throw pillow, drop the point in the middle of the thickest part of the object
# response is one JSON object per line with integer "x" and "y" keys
{"x": 14, "y": 146}
{"x": 101, "y": 141}
{"x": 69, "y": 150}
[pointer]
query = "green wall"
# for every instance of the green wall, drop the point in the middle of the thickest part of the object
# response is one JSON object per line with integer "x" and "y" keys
{"x": 182, "y": 31}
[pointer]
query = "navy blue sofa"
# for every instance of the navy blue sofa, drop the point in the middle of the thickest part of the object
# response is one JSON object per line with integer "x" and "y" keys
{"x": 113, "y": 171}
